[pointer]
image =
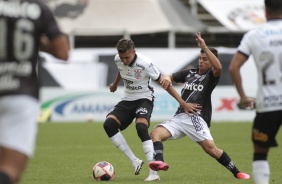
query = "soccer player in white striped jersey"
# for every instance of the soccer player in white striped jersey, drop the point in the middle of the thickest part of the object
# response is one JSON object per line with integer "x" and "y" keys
{"x": 265, "y": 45}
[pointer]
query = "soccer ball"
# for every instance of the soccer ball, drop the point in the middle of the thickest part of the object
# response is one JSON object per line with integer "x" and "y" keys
{"x": 103, "y": 171}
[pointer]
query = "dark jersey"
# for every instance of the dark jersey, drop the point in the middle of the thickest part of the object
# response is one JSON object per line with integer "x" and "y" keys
{"x": 22, "y": 22}
{"x": 197, "y": 89}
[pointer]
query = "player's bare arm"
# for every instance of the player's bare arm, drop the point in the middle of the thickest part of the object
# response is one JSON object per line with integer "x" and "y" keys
{"x": 165, "y": 81}
{"x": 114, "y": 85}
{"x": 216, "y": 65}
{"x": 187, "y": 107}
{"x": 58, "y": 46}
{"x": 236, "y": 63}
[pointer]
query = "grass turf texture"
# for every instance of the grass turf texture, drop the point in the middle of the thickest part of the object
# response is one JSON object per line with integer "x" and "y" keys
{"x": 66, "y": 153}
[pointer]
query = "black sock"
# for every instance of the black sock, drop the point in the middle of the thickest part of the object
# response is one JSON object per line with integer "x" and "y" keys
{"x": 4, "y": 178}
{"x": 159, "y": 148}
{"x": 260, "y": 156}
{"x": 227, "y": 162}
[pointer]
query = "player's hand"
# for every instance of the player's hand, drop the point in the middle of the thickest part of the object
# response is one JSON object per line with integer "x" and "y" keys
{"x": 247, "y": 102}
{"x": 191, "y": 108}
{"x": 200, "y": 41}
{"x": 113, "y": 87}
{"x": 165, "y": 82}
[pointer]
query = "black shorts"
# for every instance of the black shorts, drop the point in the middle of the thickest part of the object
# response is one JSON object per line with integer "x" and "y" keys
{"x": 265, "y": 128}
{"x": 127, "y": 111}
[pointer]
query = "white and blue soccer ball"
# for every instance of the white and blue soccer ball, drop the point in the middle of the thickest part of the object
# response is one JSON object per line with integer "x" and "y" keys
{"x": 103, "y": 171}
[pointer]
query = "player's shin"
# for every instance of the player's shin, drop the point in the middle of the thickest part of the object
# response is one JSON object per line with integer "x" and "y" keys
{"x": 226, "y": 161}
{"x": 159, "y": 148}
{"x": 111, "y": 128}
{"x": 261, "y": 170}
{"x": 142, "y": 131}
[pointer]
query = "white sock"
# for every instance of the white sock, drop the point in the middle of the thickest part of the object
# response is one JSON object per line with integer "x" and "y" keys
{"x": 152, "y": 172}
{"x": 119, "y": 141}
{"x": 261, "y": 172}
{"x": 148, "y": 148}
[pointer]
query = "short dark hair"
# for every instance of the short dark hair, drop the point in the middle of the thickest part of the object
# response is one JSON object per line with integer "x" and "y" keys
{"x": 124, "y": 45}
{"x": 273, "y": 5}
{"x": 213, "y": 50}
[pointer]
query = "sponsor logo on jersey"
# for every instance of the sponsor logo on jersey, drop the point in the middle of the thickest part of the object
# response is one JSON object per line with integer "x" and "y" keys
{"x": 272, "y": 101}
{"x": 193, "y": 87}
{"x": 128, "y": 73}
{"x": 9, "y": 71}
{"x": 141, "y": 66}
{"x": 128, "y": 83}
{"x": 142, "y": 110}
{"x": 275, "y": 42}
{"x": 17, "y": 9}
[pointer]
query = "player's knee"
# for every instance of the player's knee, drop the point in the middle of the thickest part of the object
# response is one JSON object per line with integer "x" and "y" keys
{"x": 142, "y": 131}
{"x": 160, "y": 134}
{"x": 154, "y": 135}
{"x": 111, "y": 127}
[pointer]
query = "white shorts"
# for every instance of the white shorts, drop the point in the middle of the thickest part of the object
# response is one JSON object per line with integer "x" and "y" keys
{"x": 18, "y": 123}
{"x": 192, "y": 126}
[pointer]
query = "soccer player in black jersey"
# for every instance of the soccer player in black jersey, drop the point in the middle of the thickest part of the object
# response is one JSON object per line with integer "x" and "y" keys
{"x": 25, "y": 25}
{"x": 198, "y": 86}
{"x": 265, "y": 45}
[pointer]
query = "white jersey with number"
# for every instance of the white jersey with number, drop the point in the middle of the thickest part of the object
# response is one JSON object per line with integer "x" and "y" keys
{"x": 137, "y": 77}
{"x": 265, "y": 44}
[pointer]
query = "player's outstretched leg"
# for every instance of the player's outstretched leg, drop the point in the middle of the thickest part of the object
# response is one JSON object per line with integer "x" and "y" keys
{"x": 242, "y": 175}
{"x": 158, "y": 165}
{"x": 227, "y": 162}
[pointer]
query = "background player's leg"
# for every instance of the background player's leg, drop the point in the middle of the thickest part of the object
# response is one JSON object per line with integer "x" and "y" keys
{"x": 260, "y": 166}
{"x": 12, "y": 165}
{"x": 223, "y": 158}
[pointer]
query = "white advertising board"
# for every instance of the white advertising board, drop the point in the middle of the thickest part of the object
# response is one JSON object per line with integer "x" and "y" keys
{"x": 81, "y": 106}
{"x": 81, "y": 91}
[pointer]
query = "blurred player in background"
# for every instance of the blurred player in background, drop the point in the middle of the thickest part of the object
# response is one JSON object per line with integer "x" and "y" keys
{"x": 24, "y": 25}
{"x": 136, "y": 70}
{"x": 198, "y": 86}
{"x": 265, "y": 44}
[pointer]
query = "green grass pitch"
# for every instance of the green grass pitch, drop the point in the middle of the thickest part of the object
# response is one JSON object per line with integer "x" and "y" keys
{"x": 66, "y": 153}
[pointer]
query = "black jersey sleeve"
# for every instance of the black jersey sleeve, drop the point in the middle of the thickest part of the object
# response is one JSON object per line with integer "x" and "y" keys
{"x": 50, "y": 26}
{"x": 214, "y": 80}
{"x": 179, "y": 77}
